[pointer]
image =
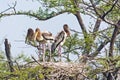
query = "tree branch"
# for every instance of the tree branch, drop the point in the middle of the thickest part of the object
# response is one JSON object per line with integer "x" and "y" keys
{"x": 37, "y": 16}
{"x": 79, "y": 18}
{"x": 14, "y": 5}
{"x": 105, "y": 13}
{"x": 75, "y": 31}
{"x": 102, "y": 45}
{"x": 103, "y": 16}
{"x": 77, "y": 48}
{"x": 94, "y": 7}
{"x": 115, "y": 33}
{"x": 96, "y": 27}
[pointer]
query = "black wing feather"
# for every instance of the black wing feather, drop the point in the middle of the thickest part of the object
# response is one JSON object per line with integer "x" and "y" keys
{"x": 57, "y": 41}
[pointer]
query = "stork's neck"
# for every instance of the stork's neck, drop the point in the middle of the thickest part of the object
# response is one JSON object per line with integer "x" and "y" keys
{"x": 39, "y": 34}
{"x": 67, "y": 32}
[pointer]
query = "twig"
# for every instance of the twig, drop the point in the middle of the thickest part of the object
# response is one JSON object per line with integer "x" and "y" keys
{"x": 5, "y": 10}
{"x": 35, "y": 60}
{"x": 93, "y": 5}
{"x": 14, "y": 5}
{"x": 76, "y": 31}
{"x": 17, "y": 65}
{"x": 71, "y": 50}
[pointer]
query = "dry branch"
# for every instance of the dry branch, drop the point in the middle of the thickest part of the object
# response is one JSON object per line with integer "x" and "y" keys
{"x": 8, "y": 55}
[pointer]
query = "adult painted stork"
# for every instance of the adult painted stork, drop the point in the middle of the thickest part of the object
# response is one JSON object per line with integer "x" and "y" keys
{"x": 60, "y": 39}
{"x": 29, "y": 39}
{"x": 44, "y": 38}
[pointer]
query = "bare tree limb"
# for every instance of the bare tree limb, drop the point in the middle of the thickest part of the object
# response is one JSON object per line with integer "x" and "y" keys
{"x": 93, "y": 5}
{"x": 13, "y": 7}
{"x": 35, "y": 60}
{"x": 8, "y": 55}
{"x": 106, "y": 29}
{"x": 5, "y": 10}
{"x": 102, "y": 45}
{"x": 79, "y": 18}
{"x": 97, "y": 25}
{"x": 114, "y": 35}
{"x": 76, "y": 31}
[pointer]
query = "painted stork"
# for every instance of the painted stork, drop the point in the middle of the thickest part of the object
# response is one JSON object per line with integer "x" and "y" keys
{"x": 29, "y": 39}
{"x": 60, "y": 39}
{"x": 44, "y": 38}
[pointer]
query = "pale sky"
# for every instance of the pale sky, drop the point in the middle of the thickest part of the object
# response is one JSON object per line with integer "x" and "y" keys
{"x": 15, "y": 27}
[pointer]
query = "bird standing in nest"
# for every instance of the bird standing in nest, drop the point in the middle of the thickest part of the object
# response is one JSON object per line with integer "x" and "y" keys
{"x": 44, "y": 38}
{"x": 29, "y": 39}
{"x": 60, "y": 39}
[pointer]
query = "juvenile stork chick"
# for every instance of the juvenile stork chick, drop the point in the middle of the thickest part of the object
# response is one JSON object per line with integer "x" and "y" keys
{"x": 60, "y": 39}
{"x": 44, "y": 38}
{"x": 29, "y": 39}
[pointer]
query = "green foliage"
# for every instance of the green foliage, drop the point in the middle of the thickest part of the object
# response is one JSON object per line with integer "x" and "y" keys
{"x": 3, "y": 62}
{"x": 2, "y": 55}
{"x": 88, "y": 41}
{"x": 67, "y": 5}
{"x": 22, "y": 58}
{"x": 114, "y": 14}
{"x": 73, "y": 41}
{"x": 73, "y": 45}
{"x": 28, "y": 73}
{"x": 103, "y": 65}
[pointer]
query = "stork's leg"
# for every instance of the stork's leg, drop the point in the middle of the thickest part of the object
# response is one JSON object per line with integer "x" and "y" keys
{"x": 49, "y": 47}
{"x": 59, "y": 52}
{"x": 39, "y": 51}
{"x": 43, "y": 45}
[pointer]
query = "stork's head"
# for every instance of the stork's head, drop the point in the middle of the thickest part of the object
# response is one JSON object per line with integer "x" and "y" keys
{"x": 30, "y": 33}
{"x": 37, "y": 30}
{"x": 66, "y": 29}
{"x": 37, "y": 34}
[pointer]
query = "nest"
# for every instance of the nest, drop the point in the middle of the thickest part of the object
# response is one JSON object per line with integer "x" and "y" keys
{"x": 64, "y": 70}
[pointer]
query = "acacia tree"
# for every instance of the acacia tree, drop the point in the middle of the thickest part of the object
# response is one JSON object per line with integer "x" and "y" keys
{"x": 100, "y": 10}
